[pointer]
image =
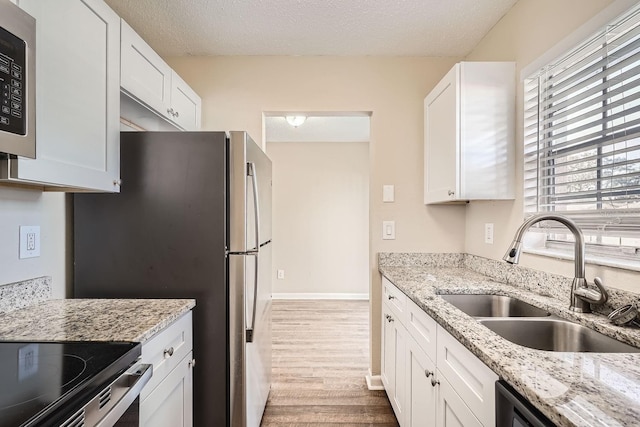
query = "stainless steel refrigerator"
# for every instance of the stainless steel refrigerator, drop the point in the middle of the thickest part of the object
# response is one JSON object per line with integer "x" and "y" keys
{"x": 193, "y": 220}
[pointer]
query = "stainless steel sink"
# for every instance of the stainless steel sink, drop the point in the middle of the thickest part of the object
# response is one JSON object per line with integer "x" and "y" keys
{"x": 493, "y": 306}
{"x": 555, "y": 335}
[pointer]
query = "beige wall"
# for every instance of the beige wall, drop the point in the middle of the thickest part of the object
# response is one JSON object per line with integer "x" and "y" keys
{"x": 236, "y": 90}
{"x": 521, "y": 37}
{"x": 33, "y": 207}
{"x": 321, "y": 217}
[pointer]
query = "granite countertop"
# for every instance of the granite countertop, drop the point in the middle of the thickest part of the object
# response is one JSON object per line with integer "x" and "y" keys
{"x": 134, "y": 320}
{"x": 572, "y": 389}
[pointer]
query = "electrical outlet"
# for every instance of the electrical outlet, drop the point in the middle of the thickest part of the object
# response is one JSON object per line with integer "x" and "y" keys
{"x": 29, "y": 241}
{"x": 488, "y": 233}
{"x": 281, "y": 274}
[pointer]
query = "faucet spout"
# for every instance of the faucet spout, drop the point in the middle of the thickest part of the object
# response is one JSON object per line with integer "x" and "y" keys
{"x": 581, "y": 295}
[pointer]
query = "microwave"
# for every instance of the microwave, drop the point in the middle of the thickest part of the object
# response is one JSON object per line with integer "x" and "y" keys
{"x": 17, "y": 81}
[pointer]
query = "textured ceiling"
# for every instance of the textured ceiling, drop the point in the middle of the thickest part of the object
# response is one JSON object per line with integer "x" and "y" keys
{"x": 312, "y": 27}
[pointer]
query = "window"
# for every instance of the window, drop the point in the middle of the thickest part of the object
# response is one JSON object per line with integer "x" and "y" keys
{"x": 582, "y": 141}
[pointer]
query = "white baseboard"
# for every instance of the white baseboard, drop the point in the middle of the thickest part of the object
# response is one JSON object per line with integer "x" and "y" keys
{"x": 374, "y": 382}
{"x": 319, "y": 296}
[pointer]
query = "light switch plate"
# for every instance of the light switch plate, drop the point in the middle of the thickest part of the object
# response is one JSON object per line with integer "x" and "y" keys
{"x": 388, "y": 230}
{"x": 29, "y": 241}
{"x": 388, "y": 193}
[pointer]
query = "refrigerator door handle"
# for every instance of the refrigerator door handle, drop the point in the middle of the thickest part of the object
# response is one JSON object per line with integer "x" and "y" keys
{"x": 250, "y": 329}
{"x": 251, "y": 171}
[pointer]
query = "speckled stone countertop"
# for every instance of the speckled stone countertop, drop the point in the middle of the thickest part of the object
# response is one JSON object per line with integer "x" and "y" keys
{"x": 572, "y": 389}
{"x": 134, "y": 320}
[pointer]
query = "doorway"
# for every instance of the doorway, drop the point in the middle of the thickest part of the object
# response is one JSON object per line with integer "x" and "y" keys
{"x": 320, "y": 205}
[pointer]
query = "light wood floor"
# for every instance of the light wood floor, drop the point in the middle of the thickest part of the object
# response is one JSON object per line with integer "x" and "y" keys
{"x": 320, "y": 359}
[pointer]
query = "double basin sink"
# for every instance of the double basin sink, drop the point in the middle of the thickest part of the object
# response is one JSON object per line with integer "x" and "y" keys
{"x": 533, "y": 327}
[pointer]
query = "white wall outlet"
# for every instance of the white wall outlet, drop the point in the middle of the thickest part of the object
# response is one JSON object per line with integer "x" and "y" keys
{"x": 280, "y": 274}
{"x": 388, "y": 230}
{"x": 388, "y": 193}
{"x": 488, "y": 233}
{"x": 29, "y": 241}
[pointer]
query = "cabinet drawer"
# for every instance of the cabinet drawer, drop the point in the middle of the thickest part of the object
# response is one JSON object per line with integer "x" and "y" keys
{"x": 422, "y": 328}
{"x": 471, "y": 379}
{"x": 395, "y": 299}
{"x": 166, "y": 349}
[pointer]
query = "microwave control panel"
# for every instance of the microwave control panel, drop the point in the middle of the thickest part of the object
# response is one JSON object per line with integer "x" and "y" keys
{"x": 13, "y": 54}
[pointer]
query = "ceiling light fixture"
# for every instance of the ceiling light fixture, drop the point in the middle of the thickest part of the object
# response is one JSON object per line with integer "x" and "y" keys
{"x": 295, "y": 121}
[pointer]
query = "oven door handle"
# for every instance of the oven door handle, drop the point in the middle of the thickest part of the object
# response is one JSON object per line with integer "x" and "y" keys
{"x": 125, "y": 389}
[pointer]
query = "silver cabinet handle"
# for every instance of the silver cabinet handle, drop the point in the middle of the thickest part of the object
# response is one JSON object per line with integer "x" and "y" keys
{"x": 168, "y": 352}
{"x": 117, "y": 182}
{"x": 192, "y": 363}
{"x": 427, "y": 373}
{"x": 434, "y": 382}
{"x": 389, "y": 319}
{"x": 170, "y": 111}
{"x": 390, "y": 297}
{"x": 177, "y": 114}
{"x": 450, "y": 193}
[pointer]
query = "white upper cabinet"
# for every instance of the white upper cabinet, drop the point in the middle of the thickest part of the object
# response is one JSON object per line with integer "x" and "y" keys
{"x": 469, "y": 131}
{"x": 77, "y": 98}
{"x": 150, "y": 82}
{"x": 144, "y": 74}
{"x": 185, "y": 104}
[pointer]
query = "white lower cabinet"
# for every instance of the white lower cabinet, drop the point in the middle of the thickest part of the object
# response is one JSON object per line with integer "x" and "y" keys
{"x": 431, "y": 379}
{"x": 393, "y": 353}
{"x": 421, "y": 394}
{"x": 170, "y": 404}
{"x": 452, "y": 410}
{"x": 167, "y": 399}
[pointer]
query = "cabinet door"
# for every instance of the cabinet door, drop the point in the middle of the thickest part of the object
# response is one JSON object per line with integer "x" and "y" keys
{"x": 171, "y": 403}
{"x": 472, "y": 380}
{"x": 77, "y": 99}
{"x": 452, "y": 411}
{"x": 143, "y": 74}
{"x": 186, "y": 104}
{"x": 420, "y": 408}
{"x": 393, "y": 365}
{"x": 441, "y": 140}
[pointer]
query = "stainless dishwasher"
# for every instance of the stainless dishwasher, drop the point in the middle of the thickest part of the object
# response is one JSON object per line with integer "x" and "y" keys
{"x": 513, "y": 410}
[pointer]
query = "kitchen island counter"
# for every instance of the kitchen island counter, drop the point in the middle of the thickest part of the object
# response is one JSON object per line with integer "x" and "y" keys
{"x": 134, "y": 320}
{"x": 572, "y": 389}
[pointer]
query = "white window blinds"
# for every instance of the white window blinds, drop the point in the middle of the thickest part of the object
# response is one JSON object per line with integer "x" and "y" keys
{"x": 582, "y": 133}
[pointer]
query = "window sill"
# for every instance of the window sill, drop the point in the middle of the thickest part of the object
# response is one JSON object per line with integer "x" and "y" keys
{"x": 589, "y": 259}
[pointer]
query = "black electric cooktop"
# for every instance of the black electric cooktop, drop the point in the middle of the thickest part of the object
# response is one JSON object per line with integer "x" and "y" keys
{"x": 42, "y": 383}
